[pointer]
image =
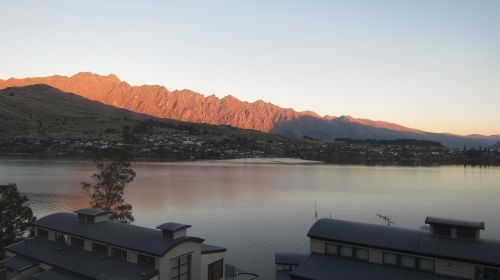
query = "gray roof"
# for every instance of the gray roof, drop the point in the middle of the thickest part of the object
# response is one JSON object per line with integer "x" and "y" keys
{"x": 91, "y": 212}
{"x": 211, "y": 249}
{"x": 452, "y": 222}
{"x": 407, "y": 241}
{"x": 133, "y": 237}
{"x": 320, "y": 267}
{"x": 17, "y": 263}
{"x": 79, "y": 261}
{"x": 283, "y": 275}
{"x": 57, "y": 274}
{"x": 289, "y": 258}
{"x": 173, "y": 226}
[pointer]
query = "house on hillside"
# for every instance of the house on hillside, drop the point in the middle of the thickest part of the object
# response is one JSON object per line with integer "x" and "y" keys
{"x": 449, "y": 249}
{"x": 86, "y": 245}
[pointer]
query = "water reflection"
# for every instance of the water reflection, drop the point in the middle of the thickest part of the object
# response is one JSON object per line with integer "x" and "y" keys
{"x": 257, "y": 209}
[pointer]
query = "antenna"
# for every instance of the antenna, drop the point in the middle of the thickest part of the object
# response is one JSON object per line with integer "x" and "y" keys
{"x": 315, "y": 210}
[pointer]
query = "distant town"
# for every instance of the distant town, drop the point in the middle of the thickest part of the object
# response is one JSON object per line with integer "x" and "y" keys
{"x": 186, "y": 145}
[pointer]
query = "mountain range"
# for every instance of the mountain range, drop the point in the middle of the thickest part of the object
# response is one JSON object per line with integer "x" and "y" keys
{"x": 42, "y": 112}
{"x": 189, "y": 106}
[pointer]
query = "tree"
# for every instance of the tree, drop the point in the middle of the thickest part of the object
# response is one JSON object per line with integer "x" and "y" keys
{"x": 16, "y": 216}
{"x": 114, "y": 173}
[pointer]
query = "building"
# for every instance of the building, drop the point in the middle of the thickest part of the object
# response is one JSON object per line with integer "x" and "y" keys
{"x": 86, "y": 245}
{"x": 449, "y": 249}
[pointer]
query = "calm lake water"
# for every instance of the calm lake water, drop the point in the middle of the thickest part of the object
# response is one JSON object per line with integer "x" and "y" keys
{"x": 258, "y": 207}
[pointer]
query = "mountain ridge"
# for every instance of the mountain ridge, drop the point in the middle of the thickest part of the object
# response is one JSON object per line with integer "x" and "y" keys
{"x": 190, "y": 106}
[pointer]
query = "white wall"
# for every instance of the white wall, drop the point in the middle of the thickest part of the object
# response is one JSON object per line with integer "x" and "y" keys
{"x": 317, "y": 246}
{"x": 455, "y": 269}
{"x": 193, "y": 248}
{"x": 375, "y": 256}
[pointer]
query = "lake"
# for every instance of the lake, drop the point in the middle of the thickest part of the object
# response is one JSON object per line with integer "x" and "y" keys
{"x": 256, "y": 208}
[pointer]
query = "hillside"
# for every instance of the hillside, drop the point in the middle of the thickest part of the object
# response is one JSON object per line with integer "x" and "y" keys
{"x": 41, "y": 111}
{"x": 495, "y": 147}
{"x": 186, "y": 105}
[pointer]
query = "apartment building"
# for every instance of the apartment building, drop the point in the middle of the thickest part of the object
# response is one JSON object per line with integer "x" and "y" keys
{"x": 448, "y": 249}
{"x": 86, "y": 245}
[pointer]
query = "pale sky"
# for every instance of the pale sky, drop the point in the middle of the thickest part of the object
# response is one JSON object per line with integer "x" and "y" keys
{"x": 427, "y": 64}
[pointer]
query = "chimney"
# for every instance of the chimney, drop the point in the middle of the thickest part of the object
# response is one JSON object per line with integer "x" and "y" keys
{"x": 92, "y": 215}
{"x": 173, "y": 230}
{"x": 455, "y": 228}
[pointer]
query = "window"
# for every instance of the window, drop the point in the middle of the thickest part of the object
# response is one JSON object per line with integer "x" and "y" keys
{"x": 181, "y": 268}
{"x": 119, "y": 253}
{"x": 146, "y": 260}
{"x": 469, "y": 233}
{"x": 99, "y": 248}
{"x": 43, "y": 233}
{"x": 215, "y": 270}
{"x": 408, "y": 262}
{"x": 426, "y": 264}
{"x": 77, "y": 242}
{"x": 390, "y": 259}
{"x": 60, "y": 237}
{"x": 346, "y": 251}
{"x": 331, "y": 249}
{"x": 81, "y": 218}
{"x": 483, "y": 273}
{"x": 442, "y": 230}
{"x": 362, "y": 254}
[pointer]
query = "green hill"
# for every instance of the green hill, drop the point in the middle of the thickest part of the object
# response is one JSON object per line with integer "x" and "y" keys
{"x": 43, "y": 112}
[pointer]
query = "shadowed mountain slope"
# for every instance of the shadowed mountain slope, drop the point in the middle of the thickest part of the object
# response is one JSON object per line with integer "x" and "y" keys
{"x": 41, "y": 111}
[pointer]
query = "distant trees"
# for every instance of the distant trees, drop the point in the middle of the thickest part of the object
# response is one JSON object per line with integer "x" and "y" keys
{"x": 114, "y": 173}
{"x": 16, "y": 216}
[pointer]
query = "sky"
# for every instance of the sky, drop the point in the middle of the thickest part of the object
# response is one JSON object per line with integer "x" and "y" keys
{"x": 427, "y": 64}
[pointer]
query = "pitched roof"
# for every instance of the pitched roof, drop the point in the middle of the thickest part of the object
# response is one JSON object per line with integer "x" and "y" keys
{"x": 17, "y": 263}
{"x": 452, "y": 222}
{"x": 58, "y": 274}
{"x": 407, "y": 240}
{"x": 133, "y": 237}
{"x": 320, "y": 267}
{"x": 91, "y": 212}
{"x": 79, "y": 261}
{"x": 211, "y": 249}
{"x": 173, "y": 226}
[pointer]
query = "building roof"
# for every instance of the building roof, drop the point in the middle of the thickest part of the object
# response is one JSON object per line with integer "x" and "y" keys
{"x": 211, "y": 249}
{"x": 79, "y": 261}
{"x": 57, "y": 274}
{"x": 17, "y": 263}
{"x": 91, "y": 212}
{"x": 133, "y": 237}
{"x": 320, "y": 267}
{"x": 289, "y": 258}
{"x": 407, "y": 241}
{"x": 173, "y": 226}
{"x": 452, "y": 222}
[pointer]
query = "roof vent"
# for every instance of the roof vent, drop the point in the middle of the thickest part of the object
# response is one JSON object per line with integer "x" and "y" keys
{"x": 173, "y": 230}
{"x": 455, "y": 228}
{"x": 92, "y": 215}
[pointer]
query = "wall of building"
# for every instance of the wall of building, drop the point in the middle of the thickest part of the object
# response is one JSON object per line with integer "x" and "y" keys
{"x": 193, "y": 248}
{"x": 375, "y": 256}
{"x": 207, "y": 259}
{"x": 25, "y": 275}
{"x": 455, "y": 269}
{"x": 317, "y": 246}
